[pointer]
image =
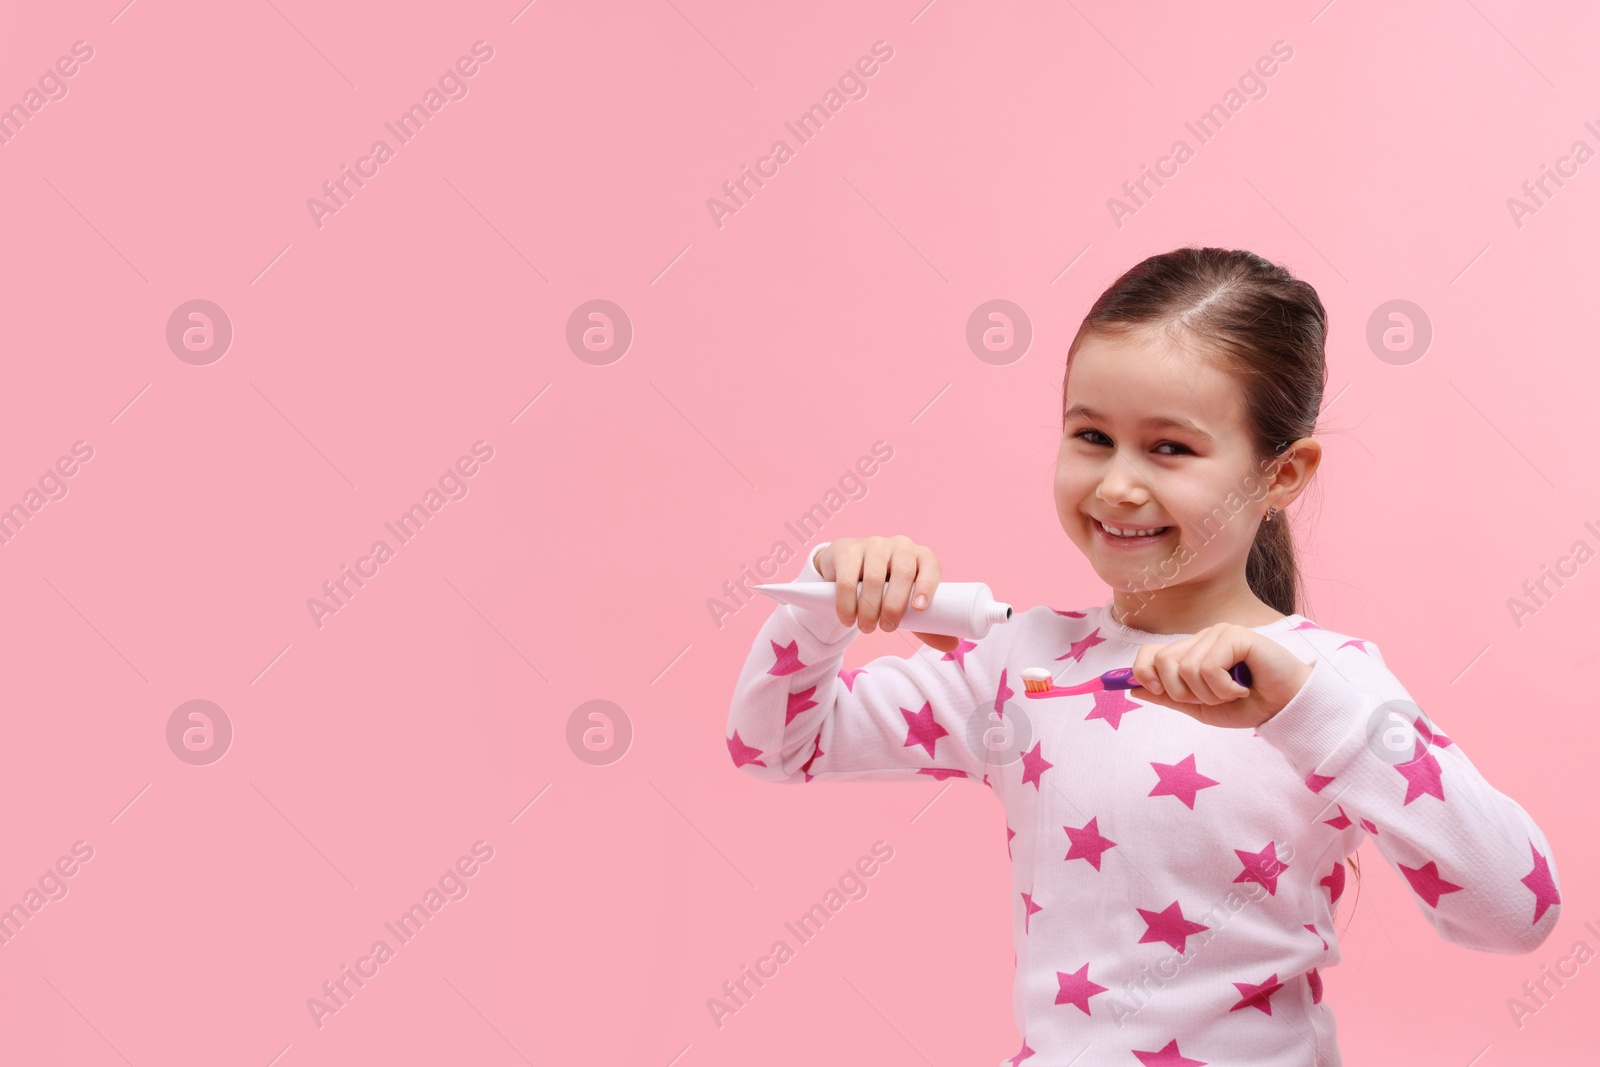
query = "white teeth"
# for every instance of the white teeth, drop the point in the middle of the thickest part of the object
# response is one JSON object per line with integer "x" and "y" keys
{"x": 1117, "y": 531}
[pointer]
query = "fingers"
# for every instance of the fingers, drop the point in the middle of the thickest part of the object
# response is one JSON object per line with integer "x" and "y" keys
{"x": 846, "y": 566}
{"x": 822, "y": 560}
{"x": 1168, "y": 677}
{"x": 1216, "y": 675}
{"x": 1144, "y": 668}
{"x": 891, "y": 573}
{"x": 1191, "y": 671}
{"x": 1198, "y": 671}
{"x": 928, "y": 574}
{"x": 1173, "y": 674}
{"x": 902, "y": 573}
{"x": 1225, "y": 649}
{"x": 874, "y": 570}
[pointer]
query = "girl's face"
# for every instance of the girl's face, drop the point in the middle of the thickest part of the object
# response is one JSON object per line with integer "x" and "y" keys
{"x": 1156, "y": 439}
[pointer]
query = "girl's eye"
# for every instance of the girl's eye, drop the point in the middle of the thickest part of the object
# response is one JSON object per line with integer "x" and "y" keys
{"x": 1182, "y": 448}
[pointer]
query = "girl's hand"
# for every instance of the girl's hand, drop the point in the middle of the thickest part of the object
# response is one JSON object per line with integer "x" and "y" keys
{"x": 1191, "y": 676}
{"x": 893, "y": 572}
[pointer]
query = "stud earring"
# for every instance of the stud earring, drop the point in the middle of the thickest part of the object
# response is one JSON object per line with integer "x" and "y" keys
{"x": 1271, "y": 512}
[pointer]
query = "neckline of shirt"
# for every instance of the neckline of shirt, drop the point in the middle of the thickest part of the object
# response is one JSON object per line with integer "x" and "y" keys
{"x": 1108, "y": 624}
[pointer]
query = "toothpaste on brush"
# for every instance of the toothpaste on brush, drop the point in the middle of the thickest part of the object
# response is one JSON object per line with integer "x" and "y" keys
{"x": 956, "y": 609}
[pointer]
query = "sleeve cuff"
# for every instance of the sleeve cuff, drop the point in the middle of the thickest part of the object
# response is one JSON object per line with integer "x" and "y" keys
{"x": 823, "y": 625}
{"x": 1319, "y": 721}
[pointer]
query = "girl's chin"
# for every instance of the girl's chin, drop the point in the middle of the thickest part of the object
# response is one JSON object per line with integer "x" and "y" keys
{"x": 1147, "y": 572}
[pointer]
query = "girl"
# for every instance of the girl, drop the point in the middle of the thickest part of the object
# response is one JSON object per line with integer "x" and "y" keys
{"x": 1177, "y": 849}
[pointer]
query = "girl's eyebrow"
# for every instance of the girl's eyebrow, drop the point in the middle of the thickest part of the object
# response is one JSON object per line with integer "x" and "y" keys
{"x": 1152, "y": 420}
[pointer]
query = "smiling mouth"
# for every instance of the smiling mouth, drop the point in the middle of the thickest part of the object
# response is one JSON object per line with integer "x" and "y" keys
{"x": 1130, "y": 535}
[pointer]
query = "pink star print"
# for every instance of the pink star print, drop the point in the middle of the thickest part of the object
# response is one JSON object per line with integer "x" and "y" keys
{"x": 1427, "y": 884}
{"x": 1542, "y": 884}
{"x": 1312, "y": 927}
{"x": 1181, "y": 780}
{"x": 1031, "y": 907}
{"x": 941, "y": 773}
{"x": 1168, "y": 1056}
{"x": 787, "y": 658}
{"x": 1169, "y": 925}
{"x": 959, "y": 653}
{"x": 921, "y": 729}
{"x": 1068, "y": 614}
{"x": 1317, "y": 782}
{"x": 1257, "y": 996}
{"x": 1033, "y": 765}
{"x": 743, "y": 753}
{"x": 799, "y": 702}
{"x": 1421, "y": 774}
{"x": 1341, "y": 821}
{"x": 1002, "y": 694}
{"x": 1434, "y": 738}
{"x": 1314, "y": 980}
{"x": 1080, "y": 647}
{"x": 849, "y": 677}
{"x": 1076, "y": 988}
{"x": 1362, "y": 645}
{"x": 816, "y": 750}
{"x": 1087, "y": 844}
{"x": 1333, "y": 882}
{"x": 1369, "y": 826}
{"x": 1010, "y": 833}
{"x": 1016, "y": 1061}
{"x": 1111, "y": 706}
{"x": 1261, "y": 867}
{"x": 1308, "y": 625}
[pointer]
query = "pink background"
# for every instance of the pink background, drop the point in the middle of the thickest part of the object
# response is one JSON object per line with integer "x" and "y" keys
{"x": 768, "y": 354}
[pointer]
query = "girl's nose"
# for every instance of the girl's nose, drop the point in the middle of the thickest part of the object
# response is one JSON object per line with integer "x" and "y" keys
{"x": 1120, "y": 483}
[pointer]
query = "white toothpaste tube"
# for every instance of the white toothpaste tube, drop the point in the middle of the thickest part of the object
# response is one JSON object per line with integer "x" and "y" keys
{"x": 957, "y": 609}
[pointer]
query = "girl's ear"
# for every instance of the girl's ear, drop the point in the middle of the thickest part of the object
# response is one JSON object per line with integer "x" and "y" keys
{"x": 1294, "y": 472}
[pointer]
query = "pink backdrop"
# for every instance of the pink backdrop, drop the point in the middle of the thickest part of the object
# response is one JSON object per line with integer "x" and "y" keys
{"x": 377, "y": 340}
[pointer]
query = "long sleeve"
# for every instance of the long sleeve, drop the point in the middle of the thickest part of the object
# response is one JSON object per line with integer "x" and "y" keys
{"x": 1480, "y": 869}
{"x": 796, "y": 715}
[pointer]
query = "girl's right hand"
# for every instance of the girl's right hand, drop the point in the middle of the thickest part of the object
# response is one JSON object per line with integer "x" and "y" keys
{"x": 894, "y": 573}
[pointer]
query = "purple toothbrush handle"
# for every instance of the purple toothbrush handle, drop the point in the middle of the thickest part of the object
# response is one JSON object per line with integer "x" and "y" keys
{"x": 1122, "y": 677}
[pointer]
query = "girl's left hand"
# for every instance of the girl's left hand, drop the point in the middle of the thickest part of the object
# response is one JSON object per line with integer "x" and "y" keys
{"x": 1191, "y": 676}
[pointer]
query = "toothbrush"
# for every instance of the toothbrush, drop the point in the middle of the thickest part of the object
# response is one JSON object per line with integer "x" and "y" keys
{"x": 1038, "y": 681}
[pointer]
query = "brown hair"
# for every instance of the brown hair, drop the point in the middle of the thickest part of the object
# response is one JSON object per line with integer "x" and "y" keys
{"x": 1266, "y": 327}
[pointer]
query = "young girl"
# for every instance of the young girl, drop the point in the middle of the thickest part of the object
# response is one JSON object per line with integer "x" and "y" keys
{"x": 1177, "y": 849}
